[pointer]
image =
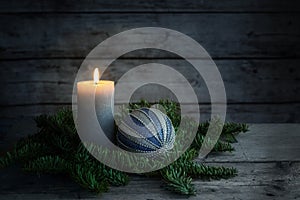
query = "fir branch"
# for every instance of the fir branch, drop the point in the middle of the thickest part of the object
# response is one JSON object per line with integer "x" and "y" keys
{"x": 235, "y": 128}
{"x": 115, "y": 177}
{"x": 89, "y": 179}
{"x": 48, "y": 164}
{"x": 177, "y": 181}
{"x": 30, "y": 151}
{"x": 218, "y": 147}
{"x": 231, "y": 129}
{"x": 204, "y": 171}
{"x": 60, "y": 124}
{"x": 189, "y": 155}
{"x": 223, "y": 146}
{"x": 56, "y": 148}
{"x": 6, "y": 160}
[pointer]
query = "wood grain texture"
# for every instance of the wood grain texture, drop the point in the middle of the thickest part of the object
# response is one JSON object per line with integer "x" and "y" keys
{"x": 264, "y": 143}
{"x": 16, "y": 6}
{"x": 30, "y": 82}
{"x": 279, "y": 180}
{"x": 263, "y": 175}
{"x": 254, "y": 43}
{"x": 222, "y": 35}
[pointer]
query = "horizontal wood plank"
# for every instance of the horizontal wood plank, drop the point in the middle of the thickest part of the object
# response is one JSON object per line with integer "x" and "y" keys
{"x": 255, "y": 45}
{"x": 264, "y": 143}
{"x": 29, "y": 82}
{"x": 251, "y": 113}
{"x": 254, "y": 181}
{"x": 267, "y": 160}
{"x": 14, "y": 6}
{"x": 223, "y": 36}
{"x": 270, "y": 170}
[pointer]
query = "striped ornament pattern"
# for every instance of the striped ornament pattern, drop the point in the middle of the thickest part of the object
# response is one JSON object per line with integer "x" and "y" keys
{"x": 146, "y": 130}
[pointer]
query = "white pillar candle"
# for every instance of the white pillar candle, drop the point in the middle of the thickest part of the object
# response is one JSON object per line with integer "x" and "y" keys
{"x": 96, "y": 96}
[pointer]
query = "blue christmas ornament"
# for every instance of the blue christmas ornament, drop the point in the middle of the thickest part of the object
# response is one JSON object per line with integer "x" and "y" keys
{"x": 146, "y": 130}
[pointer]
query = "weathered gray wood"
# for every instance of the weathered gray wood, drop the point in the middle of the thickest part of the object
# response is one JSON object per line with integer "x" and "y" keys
{"x": 150, "y": 6}
{"x": 28, "y": 82}
{"x": 266, "y": 171}
{"x": 254, "y": 181}
{"x": 264, "y": 142}
{"x": 246, "y": 36}
{"x": 222, "y": 35}
{"x": 211, "y": 192}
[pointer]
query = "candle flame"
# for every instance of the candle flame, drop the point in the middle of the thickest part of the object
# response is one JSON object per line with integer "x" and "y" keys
{"x": 96, "y": 76}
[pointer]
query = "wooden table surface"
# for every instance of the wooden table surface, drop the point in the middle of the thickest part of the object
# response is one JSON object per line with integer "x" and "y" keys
{"x": 267, "y": 158}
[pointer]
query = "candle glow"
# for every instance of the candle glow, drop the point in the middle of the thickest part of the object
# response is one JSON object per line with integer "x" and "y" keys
{"x": 96, "y": 75}
{"x": 96, "y": 96}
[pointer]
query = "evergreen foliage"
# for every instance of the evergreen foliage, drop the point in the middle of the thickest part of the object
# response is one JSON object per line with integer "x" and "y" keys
{"x": 56, "y": 148}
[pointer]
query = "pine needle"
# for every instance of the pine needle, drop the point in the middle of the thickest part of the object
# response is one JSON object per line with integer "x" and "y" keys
{"x": 56, "y": 148}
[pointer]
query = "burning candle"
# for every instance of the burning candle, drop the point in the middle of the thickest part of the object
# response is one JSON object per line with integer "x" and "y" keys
{"x": 101, "y": 94}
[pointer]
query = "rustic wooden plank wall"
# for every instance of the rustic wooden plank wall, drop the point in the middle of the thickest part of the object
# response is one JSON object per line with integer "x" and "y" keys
{"x": 256, "y": 46}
